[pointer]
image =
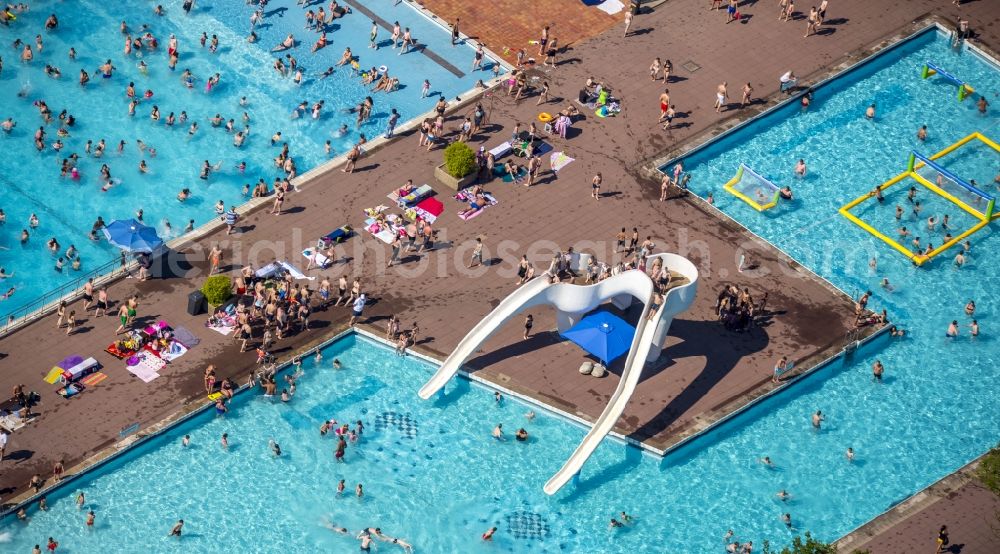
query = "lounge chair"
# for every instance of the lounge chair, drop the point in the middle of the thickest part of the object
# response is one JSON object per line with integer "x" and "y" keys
{"x": 501, "y": 150}
{"x": 80, "y": 370}
{"x": 414, "y": 198}
{"x": 336, "y": 237}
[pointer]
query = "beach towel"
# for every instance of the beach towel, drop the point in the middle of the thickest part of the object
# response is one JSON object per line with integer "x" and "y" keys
{"x": 70, "y": 361}
{"x": 143, "y": 373}
{"x": 490, "y": 201}
{"x": 465, "y": 216}
{"x": 500, "y": 171}
{"x": 429, "y": 209}
{"x": 53, "y": 376}
{"x": 611, "y": 6}
{"x": 174, "y": 351}
{"x": 156, "y": 327}
{"x": 12, "y": 422}
{"x": 170, "y": 353}
{"x": 116, "y": 351}
{"x": 92, "y": 380}
{"x": 294, "y": 271}
{"x": 321, "y": 260}
{"x": 222, "y": 323}
{"x": 185, "y": 337}
{"x": 70, "y": 390}
{"x": 222, "y": 329}
{"x": 543, "y": 148}
{"x": 432, "y": 206}
{"x": 372, "y": 212}
{"x": 559, "y": 160}
{"x": 145, "y": 366}
{"x": 384, "y": 233}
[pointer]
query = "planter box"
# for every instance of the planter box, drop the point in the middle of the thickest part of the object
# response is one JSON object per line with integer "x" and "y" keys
{"x": 455, "y": 184}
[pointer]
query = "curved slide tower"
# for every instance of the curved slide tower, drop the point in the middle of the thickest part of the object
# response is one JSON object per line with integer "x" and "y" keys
{"x": 572, "y": 302}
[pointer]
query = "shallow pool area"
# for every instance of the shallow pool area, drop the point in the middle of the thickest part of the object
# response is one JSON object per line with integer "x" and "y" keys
{"x": 433, "y": 476}
{"x": 67, "y": 208}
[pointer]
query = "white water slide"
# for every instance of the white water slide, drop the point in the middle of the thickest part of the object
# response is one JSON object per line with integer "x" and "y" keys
{"x": 572, "y": 302}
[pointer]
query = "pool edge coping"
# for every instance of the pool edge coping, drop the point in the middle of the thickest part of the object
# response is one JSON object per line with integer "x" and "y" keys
{"x": 194, "y": 407}
{"x": 910, "y": 506}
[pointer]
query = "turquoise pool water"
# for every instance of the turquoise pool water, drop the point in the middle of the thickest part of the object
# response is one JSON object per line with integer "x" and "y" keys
{"x": 434, "y": 477}
{"x": 66, "y": 208}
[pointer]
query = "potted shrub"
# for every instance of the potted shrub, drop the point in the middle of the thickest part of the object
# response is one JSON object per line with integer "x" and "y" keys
{"x": 217, "y": 289}
{"x": 459, "y": 168}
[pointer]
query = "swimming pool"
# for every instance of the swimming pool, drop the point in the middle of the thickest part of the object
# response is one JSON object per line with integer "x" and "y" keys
{"x": 434, "y": 477}
{"x": 66, "y": 209}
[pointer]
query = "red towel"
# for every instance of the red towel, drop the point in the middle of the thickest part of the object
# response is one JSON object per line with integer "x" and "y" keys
{"x": 432, "y": 206}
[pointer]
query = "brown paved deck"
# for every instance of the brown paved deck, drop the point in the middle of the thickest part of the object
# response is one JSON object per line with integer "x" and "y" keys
{"x": 447, "y": 302}
{"x": 970, "y": 514}
{"x": 959, "y": 501}
{"x": 570, "y": 21}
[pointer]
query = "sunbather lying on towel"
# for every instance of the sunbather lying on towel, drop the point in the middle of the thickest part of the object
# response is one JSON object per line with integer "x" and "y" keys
{"x": 477, "y": 203}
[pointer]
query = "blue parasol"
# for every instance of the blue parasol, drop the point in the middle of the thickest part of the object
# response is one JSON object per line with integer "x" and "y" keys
{"x": 132, "y": 236}
{"x": 603, "y": 335}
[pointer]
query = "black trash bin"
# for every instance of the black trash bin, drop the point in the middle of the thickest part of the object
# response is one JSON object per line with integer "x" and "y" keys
{"x": 636, "y": 6}
{"x": 197, "y": 303}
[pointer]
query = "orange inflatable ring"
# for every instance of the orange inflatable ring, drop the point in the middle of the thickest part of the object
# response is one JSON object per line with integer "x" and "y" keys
{"x": 544, "y": 117}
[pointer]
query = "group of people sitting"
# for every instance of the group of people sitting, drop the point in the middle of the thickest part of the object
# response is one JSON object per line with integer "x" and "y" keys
{"x": 736, "y": 308}
{"x": 380, "y": 78}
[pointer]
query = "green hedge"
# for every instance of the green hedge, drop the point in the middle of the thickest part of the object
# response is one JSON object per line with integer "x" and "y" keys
{"x": 989, "y": 470}
{"x": 459, "y": 160}
{"x": 217, "y": 289}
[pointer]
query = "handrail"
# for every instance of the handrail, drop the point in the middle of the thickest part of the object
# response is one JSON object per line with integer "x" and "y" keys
{"x": 62, "y": 292}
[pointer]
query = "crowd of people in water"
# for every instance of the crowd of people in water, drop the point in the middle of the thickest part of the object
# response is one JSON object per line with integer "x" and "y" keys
{"x": 142, "y": 45}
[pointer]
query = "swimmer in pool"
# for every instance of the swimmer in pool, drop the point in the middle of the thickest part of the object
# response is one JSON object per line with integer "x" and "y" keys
{"x": 817, "y": 420}
{"x": 870, "y": 112}
{"x": 952, "y": 331}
